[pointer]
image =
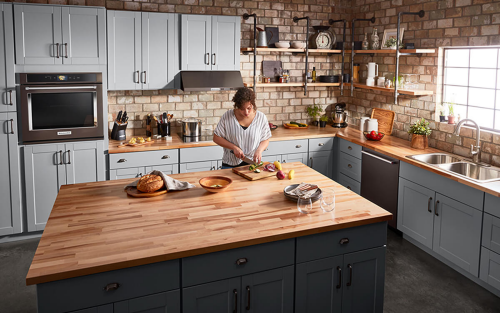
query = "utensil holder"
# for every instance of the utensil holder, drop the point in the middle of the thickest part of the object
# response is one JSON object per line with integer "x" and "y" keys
{"x": 119, "y": 131}
{"x": 164, "y": 129}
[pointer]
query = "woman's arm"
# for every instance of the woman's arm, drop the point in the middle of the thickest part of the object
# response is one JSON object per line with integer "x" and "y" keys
{"x": 257, "y": 157}
{"x": 226, "y": 144}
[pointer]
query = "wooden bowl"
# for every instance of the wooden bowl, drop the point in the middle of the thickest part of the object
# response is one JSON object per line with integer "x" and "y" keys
{"x": 208, "y": 182}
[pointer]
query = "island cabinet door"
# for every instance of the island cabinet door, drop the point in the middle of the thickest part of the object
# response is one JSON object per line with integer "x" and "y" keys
{"x": 416, "y": 211}
{"x": 268, "y": 292}
{"x": 223, "y": 296}
{"x": 84, "y": 162}
{"x": 363, "y": 281}
{"x": 108, "y": 308}
{"x": 318, "y": 286}
{"x": 165, "y": 302}
{"x": 321, "y": 162}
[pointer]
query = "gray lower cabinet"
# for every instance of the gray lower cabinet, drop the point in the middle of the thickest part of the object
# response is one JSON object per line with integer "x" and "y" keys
{"x": 287, "y": 158}
{"x": 84, "y": 162}
{"x": 321, "y": 162}
{"x": 10, "y": 205}
{"x": 7, "y": 77}
{"x": 220, "y": 296}
{"x": 136, "y": 172}
{"x": 108, "y": 308}
{"x": 490, "y": 267}
{"x": 200, "y": 166}
{"x": 165, "y": 302}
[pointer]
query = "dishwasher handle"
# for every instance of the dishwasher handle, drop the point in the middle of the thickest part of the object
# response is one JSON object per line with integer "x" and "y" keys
{"x": 377, "y": 157}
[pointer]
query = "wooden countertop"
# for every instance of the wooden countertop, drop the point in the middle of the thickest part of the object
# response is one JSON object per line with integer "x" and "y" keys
{"x": 96, "y": 227}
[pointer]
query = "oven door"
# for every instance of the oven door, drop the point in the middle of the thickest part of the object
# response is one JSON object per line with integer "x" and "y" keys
{"x": 60, "y": 113}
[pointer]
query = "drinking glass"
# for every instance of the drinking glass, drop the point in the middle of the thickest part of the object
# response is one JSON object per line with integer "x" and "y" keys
{"x": 304, "y": 205}
{"x": 327, "y": 200}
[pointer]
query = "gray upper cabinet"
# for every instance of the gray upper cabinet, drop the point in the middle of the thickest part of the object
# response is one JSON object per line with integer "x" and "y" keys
{"x": 210, "y": 42}
{"x": 221, "y": 296}
{"x": 10, "y": 205}
{"x": 7, "y": 78}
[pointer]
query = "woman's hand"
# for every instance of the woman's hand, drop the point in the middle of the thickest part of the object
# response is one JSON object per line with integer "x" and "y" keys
{"x": 257, "y": 157}
{"x": 238, "y": 153}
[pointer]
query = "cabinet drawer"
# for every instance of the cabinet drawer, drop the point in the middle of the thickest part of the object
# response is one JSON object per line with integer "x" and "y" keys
{"x": 124, "y": 173}
{"x": 87, "y": 291}
{"x": 284, "y": 147}
{"x": 490, "y": 267}
{"x": 491, "y": 232}
{"x": 333, "y": 243}
{"x": 350, "y": 166}
{"x": 132, "y": 159}
{"x": 349, "y": 183}
{"x": 492, "y": 205}
{"x": 320, "y": 144}
{"x": 200, "y": 154}
{"x": 167, "y": 169}
{"x": 350, "y": 148}
{"x": 221, "y": 265}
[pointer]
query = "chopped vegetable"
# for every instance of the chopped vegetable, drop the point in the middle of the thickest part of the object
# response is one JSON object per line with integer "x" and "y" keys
{"x": 270, "y": 167}
{"x": 257, "y": 171}
{"x": 216, "y": 186}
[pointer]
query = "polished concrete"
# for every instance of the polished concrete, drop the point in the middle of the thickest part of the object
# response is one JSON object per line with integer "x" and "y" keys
{"x": 415, "y": 282}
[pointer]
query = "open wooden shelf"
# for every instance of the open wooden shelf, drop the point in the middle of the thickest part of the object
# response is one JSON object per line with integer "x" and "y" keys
{"x": 264, "y": 85}
{"x": 391, "y": 51}
{"x": 391, "y": 90}
{"x": 291, "y": 50}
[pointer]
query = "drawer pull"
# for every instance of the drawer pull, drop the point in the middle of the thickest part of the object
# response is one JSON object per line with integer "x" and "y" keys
{"x": 349, "y": 187}
{"x": 350, "y": 275}
{"x": 122, "y": 161}
{"x": 429, "y": 205}
{"x": 112, "y": 286}
{"x": 60, "y": 157}
{"x": 298, "y": 146}
{"x": 349, "y": 147}
{"x": 241, "y": 261}
{"x": 165, "y": 157}
{"x": 248, "y": 298}
{"x": 344, "y": 241}
{"x": 349, "y": 165}
{"x": 321, "y": 144}
{"x": 138, "y": 175}
{"x": 436, "y": 208}
{"x": 235, "y": 292}
{"x": 339, "y": 270}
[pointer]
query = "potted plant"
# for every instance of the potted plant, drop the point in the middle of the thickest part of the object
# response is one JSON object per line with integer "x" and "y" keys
{"x": 442, "y": 118}
{"x": 451, "y": 114}
{"x": 419, "y": 134}
{"x": 323, "y": 120}
{"x": 314, "y": 111}
{"x": 391, "y": 43}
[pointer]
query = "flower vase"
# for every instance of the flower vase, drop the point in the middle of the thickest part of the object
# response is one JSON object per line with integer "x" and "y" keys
{"x": 365, "y": 45}
{"x": 419, "y": 141}
{"x": 375, "y": 40}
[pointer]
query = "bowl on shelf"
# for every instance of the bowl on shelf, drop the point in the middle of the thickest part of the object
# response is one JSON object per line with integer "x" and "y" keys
{"x": 215, "y": 183}
{"x": 282, "y": 44}
{"x": 378, "y": 135}
{"x": 298, "y": 45}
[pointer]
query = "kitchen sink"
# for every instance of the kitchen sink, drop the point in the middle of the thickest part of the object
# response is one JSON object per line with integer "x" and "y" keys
{"x": 473, "y": 171}
{"x": 435, "y": 158}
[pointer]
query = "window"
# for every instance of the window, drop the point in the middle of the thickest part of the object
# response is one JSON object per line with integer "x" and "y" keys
{"x": 472, "y": 83}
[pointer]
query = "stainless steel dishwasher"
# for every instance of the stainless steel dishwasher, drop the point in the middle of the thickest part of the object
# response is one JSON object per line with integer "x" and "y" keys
{"x": 380, "y": 180}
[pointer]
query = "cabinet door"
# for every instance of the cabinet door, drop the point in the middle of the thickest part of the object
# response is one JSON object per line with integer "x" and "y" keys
{"x": 364, "y": 274}
{"x": 490, "y": 267}
{"x": 225, "y": 43}
{"x": 84, "y": 162}
{"x": 10, "y": 205}
{"x": 195, "y": 42}
{"x": 108, "y": 308}
{"x": 198, "y": 166}
{"x": 416, "y": 211}
{"x": 159, "y": 55}
{"x": 321, "y": 162}
{"x": 270, "y": 291}
{"x": 271, "y": 158}
{"x": 44, "y": 174}
{"x": 167, "y": 169}
{"x": 457, "y": 233}
{"x": 84, "y": 35}
{"x": 165, "y": 302}
{"x": 38, "y": 34}
{"x": 7, "y": 80}
{"x": 318, "y": 286}
{"x": 222, "y": 296}
{"x": 124, "y": 173}
{"x": 294, "y": 157}
{"x": 124, "y": 50}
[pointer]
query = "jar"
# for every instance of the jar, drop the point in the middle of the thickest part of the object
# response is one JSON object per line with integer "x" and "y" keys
{"x": 372, "y": 124}
{"x": 266, "y": 79}
{"x": 362, "y": 123}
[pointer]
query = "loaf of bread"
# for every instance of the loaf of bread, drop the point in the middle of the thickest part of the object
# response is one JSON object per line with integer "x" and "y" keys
{"x": 149, "y": 183}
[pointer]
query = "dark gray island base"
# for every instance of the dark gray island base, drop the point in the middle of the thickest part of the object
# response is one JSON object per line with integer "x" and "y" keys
{"x": 337, "y": 271}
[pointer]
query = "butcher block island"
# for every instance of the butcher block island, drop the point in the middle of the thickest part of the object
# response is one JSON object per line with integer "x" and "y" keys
{"x": 247, "y": 249}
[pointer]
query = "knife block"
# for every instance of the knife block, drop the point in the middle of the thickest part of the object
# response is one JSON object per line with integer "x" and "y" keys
{"x": 119, "y": 131}
{"x": 164, "y": 129}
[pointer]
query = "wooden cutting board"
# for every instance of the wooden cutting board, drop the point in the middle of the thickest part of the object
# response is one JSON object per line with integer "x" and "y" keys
{"x": 133, "y": 192}
{"x": 250, "y": 175}
{"x": 385, "y": 120}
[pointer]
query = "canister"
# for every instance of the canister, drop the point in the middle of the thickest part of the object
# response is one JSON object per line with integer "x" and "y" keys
{"x": 372, "y": 124}
{"x": 355, "y": 73}
{"x": 362, "y": 123}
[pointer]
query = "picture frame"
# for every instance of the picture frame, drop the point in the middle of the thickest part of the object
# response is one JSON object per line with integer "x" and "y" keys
{"x": 391, "y": 33}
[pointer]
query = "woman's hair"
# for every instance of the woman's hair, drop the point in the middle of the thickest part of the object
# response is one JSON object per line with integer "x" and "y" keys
{"x": 244, "y": 95}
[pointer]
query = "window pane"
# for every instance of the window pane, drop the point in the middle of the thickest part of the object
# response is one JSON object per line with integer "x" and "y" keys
{"x": 486, "y": 58}
{"x": 459, "y": 110}
{"x": 457, "y": 58}
{"x": 498, "y": 79}
{"x": 456, "y": 76}
{"x": 483, "y": 117}
{"x": 482, "y": 78}
{"x": 484, "y": 98}
{"x": 454, "y": 94}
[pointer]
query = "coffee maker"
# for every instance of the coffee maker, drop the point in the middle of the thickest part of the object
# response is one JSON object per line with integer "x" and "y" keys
{"x": 339, "y": 117}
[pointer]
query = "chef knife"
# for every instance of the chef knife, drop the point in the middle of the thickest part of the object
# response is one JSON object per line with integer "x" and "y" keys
{"x": 246, "y": 159}
{"x": 165, "y": 117}
{"x": 124, "y": 117}
{"x": 119, "y": 117}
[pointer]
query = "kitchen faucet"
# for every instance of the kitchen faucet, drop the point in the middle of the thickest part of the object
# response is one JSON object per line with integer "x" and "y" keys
{"x": 474, "y": 150}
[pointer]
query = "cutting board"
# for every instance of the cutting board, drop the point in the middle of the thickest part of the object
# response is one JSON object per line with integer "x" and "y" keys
{"x": 385, "y": 120}
{"x": 133, "y": 192}
{"x": 250, "y": 175}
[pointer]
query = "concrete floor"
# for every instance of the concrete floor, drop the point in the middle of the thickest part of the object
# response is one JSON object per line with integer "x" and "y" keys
{"x": 415, "y": 282}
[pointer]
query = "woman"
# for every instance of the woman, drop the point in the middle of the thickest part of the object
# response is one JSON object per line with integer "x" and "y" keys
{"x": 243, "y": 131}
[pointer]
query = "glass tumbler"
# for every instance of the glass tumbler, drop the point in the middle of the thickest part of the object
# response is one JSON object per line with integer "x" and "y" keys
{"x": 327, "y": 200}
{"x": 305, "y": 205}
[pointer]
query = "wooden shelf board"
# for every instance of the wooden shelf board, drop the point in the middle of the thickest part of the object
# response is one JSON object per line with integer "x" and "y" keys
{"x": 323, "y": 84}
{"x": 290, "y": 50}
{"x": 390, "y": 51}
{"x": 262, "y": 85}
{"x": 391, "y": 90}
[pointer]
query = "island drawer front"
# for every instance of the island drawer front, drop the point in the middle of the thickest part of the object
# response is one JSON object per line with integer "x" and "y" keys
{"x": 337, "y": 242}
{"x": 492, "y": 205}
{"x": 349, "y": 183}
{"x": 491, "y": 232}
{"x": 287, "y": 146}
{"x": 350, "y": 148}
{"x": 320, "y": 144}
{"x": 490, "y": 268}
{"x": 87, "y": 291}
{"x": 350, "y": 166}
{"x": 200, "y": 154}
{"x": 223, "y": 264}
{"x": 134, "y": 159}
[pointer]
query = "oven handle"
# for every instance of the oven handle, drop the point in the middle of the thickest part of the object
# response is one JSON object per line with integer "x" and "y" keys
{"x": 56, "y": 88}
{"x": 377, "y": 157}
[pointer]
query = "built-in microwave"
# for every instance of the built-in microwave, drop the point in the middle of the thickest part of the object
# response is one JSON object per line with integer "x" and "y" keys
{"x": 61, "y": 107}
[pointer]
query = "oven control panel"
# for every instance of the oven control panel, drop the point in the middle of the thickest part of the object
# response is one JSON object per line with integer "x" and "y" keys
{"x": 61, "y": 78}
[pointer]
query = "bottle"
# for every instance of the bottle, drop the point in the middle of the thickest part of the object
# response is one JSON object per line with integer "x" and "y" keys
{"x": 365, "y": 45}
{"x": 314, "y": 75}
{"x": 375, "y": 40}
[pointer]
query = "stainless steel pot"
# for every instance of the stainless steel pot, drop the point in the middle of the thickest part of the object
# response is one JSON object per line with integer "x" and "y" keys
{"x": 191, "y": 127}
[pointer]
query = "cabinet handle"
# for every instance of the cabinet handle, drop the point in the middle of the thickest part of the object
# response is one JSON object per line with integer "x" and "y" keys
{"x": 321, "y": 144}
{"x": 344, "y": 241}
{"x": 350, "y": 275}
{"x": 235, "y": 292}
{"x": 213, "y": 59}
{"x": 69, "y": 156}
{"x": 241, "y": 261}
{"x": 66, "y": 50}
{"x": 349, "y": 187}
{"x": 339, "y": 271}
{"x": 298, "y": 146}
{"x": 60, "y": 157}
{"x": 213, "y": 168}
{"x": 10, "y": 97}
{"x": 349, "y": 147}
{"x": 207, "y": 58}
{"x": 349, "y": 165}
{"x": 165, "y": 157}
{"x": 311, "y": 161}
{"x": 220, "y": 167}
{"x": 57, "y": 47}
{"x": 248, "y": 298}
{"x": 429, "y": 205}
{"x": 111, "y": 287}
{"x": 122, "y": 161}
{"x": 12, "y": 126}
{"x": 138, "y": 175}
{"x": 137, "y": 74}
{"x": 436, "y": 208}
{"x": 144, "y": 82}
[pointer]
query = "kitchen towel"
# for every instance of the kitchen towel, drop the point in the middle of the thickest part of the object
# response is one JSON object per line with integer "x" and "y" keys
{"x": 170, "y": 183}
{"x": 304, "y": 190}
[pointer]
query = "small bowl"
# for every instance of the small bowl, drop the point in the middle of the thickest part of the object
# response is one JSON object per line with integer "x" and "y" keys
{"x": 298, "y": 44}
{"x": 282, "y": 44}
{"x": 208, "y": 182}
{"x": 369, "y": 138}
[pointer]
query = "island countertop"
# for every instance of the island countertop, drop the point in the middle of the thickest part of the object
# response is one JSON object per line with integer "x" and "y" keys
{"x": 96, "y": 227}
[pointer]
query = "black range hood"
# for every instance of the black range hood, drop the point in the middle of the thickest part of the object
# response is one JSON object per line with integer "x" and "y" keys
{"x": 210, "y": 80}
